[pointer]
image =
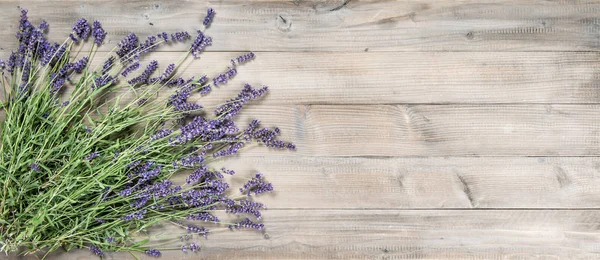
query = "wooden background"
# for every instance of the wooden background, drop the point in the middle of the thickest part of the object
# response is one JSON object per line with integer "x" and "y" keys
{"x": 425, "y": 128}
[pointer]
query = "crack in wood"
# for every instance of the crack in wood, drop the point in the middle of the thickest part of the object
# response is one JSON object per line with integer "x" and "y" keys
{"x": 340, "y": 6}
{"x": 466, "y": 190}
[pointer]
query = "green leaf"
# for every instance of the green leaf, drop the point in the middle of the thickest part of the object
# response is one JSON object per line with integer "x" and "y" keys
{"x": 141, "y": 243}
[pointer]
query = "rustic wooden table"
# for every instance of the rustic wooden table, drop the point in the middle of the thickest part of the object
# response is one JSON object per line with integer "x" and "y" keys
{"x": 425, "y": 129}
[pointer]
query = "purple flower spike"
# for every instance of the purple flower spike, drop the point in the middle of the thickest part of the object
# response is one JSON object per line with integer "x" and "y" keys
{"x": 210, "y": 13}
{"x": 80, "y": 65}
{"x": 153, "y": 252}
{"x": 98, "y": 33}
{"x": 35, "y": 167}
{"x": 164, "y": 36}
{"x": 91, "y": 156}
{"x": 96, "y": 250}
{"x": 180, "y": 36}
{"x": 256, "y": 185}
{"x": 194, "y": 247}
{"x": 160, "y": 134}
{"x": 127, "y": 45}
{"x": 200, "y": 43}
{"x": 131, "y": 68}
{"x": 44, "y": 26}
{"x": 81, "y": 29}
{"x": 247, "y": 223}
{"x": 152, "y": 66}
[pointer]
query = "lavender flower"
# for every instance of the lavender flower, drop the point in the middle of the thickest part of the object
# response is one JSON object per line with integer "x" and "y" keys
{"x": 202, "y": 216}
{"x": 91, "y": 156}
{"x": 153, "y": 252}
{"x": 200, "y": 43}
{"x": 146, "y": 74}
{"x": 98, "y": 33}
{"x": 127, "y": 45}
{"x": 167, "y": 73}
{"x": 148, "y": 46}
{"x": 194, "y": 247}
{"x": 132, "y": 67}
{"x": 247, "y": 223}
{"x": 135, "y": 215}
{"x": 80, "y": 65}
{"x": 209, "y": 17}
{"x": 110, "y": 240}
{"x": 256, "y": 185}
{"x": 244, "y": 58}
{"x": 44, "y": 25}
{"x": 224, "y": 77}
{"x": 199, "y": 230}
{"x": 234, "y": 106}
{"x": 246, "y": 207}
{"x": 96, "y": 251}
{"x": 35, "y": 167}
{"x": 81, "y": 29}
{"x": 164, "y": 36}
{"x": 180, "y": 36}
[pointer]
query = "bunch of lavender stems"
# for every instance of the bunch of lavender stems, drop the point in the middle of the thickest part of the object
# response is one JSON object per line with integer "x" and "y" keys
{"x": 82, "y": 165}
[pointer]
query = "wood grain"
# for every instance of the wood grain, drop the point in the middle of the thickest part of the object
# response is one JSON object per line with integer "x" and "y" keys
{"x": 331, "y": 25}
{"x": 404, "y": 78}
{"x": 405, "y": 234}
{"x": 391, "y": 183}
{"x": 433, "y": 130}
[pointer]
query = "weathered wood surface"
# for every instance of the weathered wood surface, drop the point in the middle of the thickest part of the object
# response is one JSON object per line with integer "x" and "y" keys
{"x": 433, "y": 130}
{"x": 402, "y": 234}
{"x": 338, "y": 25}
{"x": 405, "y": 77}
{"x": 405, "y": 183}
{"x": 425, "y": 129}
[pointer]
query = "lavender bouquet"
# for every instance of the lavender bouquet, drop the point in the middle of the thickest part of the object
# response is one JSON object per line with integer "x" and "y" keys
{"x": 84, "y": 166}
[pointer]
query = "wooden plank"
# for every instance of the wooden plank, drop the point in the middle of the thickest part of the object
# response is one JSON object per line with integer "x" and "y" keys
{"x": 391, "y": 183}
{"x": 336, "y": 25}
{"x": 433, "y": 130}
{"x": 392, "y": 234}
{"x": 412, "y": 77}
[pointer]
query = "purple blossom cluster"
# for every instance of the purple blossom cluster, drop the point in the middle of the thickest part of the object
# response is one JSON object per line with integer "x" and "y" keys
{"x": 198, "y": 230}
{"x": 246, "y": 207}
{"x": 92, "y": 156}
{"x": 192, "y": 247}
{"x": 135, "y": 215}
{"x": 96, "y": 251}
{"x": 243, "y": 58}
{"x": 224, "y": 77}
{"x": 233, "y": 106}
{"x": 247, "y": 223}
{"x": 160, "y": 134}
{"x": 34, "y": 167}
{"x": 81, "y": 30}
{"x": 127, "y": 45}
{"x": 130, "y": 68}
{"x": 179, "y": 99}
{"x": 153, "y": 252}
{"x": 202, "y": 216}
{"x": 200, "y": 43}
{"x": 143, "y": 78}
{"x": 210, "y": 14}
{"x": 98, "y": 33}
{"x": 256, "y": 185}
